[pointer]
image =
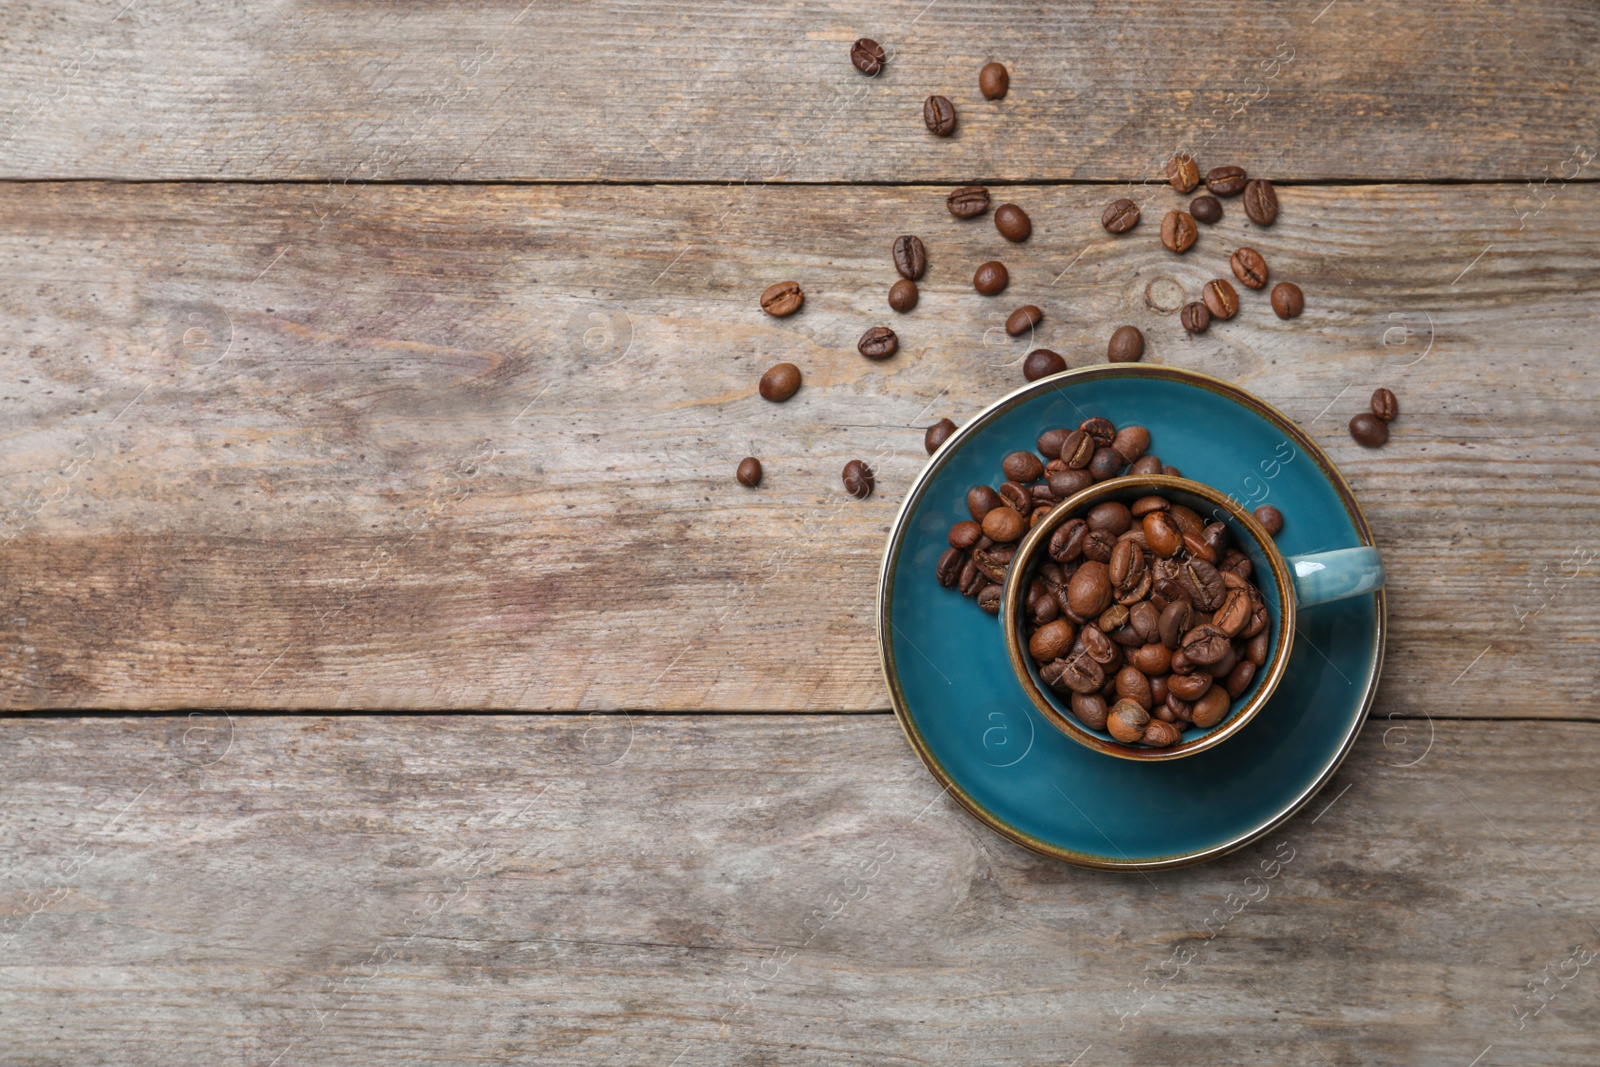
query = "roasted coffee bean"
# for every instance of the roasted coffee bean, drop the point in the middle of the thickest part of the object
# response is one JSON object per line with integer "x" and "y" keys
{"x": 1161, "y": 534}
{"x": 1146, "y": 465}
{"x": 782, "y": 299}
{"x": 1049, "y": 443}
{"x": 903, "y": 295}
{"x": 1106, "y": 463}
{"x": 1204, "y": 644}
{"x": 1270, "y": 518}
{"x": 1198, "y": 548}
{"x": 1090, "y": 709}
{"x": 1183, "y": 173}
{"x": 910, "y": 256}
{"x": 1023, "y": 319}
{"x": 867, "y": 55}
{"x": 1126, "y": 345}
{"x": 858, "y": 479}
{"x": 1182, "y": 710}
{"x": 1041, "y": 363}
{"x": 968, "y": 202}
{"x": 1068, "y": 482}
{"x": 1066, "y": 541}
{"x": 964, "y": 534}
{"x": 1013, "y": 223}
{"x": 1206, "y": 209}
{"x": 1112, "y": 517}
{"x": 880, "y": 342}
{"x": 991, "y": 278}
{"x": 1385, "y": 406}
{"x": 1127, "y": 568}
{"x": 1041, "y": 493}
{"x": 1249, "y": 268}
{"x": 1045, "y": 611}
{"x": 1182, "y": 664}
{"x": 971, "y": 579}
{"x": 1287, "y": 300}
{"x": 1131, "y": 442}
{"x": 1098, "y": 646}
{"x": 1261, "y": 202}
{"x": 749, "y": 472}
{"x": 780, "y": 382}
{"x": 1211, "y": 708}
{"x": 1133, "y": 685}
{"x": 1100, "y": 429}
{"x": 1236, "y": 562}
{"x": 949, "y": 568}
{"x": 1120, "y": 216}
{"x": 1112, "y": 618}
{"x": 1082, "y": 674}
{"x": 1225, "y": 181}
{"x": 1239, "y": 679}
{"x": 1159, "y": 734}
{"x": 1170, "y": 471}
{"x": 993, "y": 81}
{"x": 1215, "y": 536}
{"x": 1222, "y": 300}
{"x": 1089, "y": 589}
{"x": 1004, "y": 524}
{"x": 1195, "y": 317}
{"x": 1190, "y": 687}
{"x": 1051, "y": 641}
{"x": 994, "y": 559}
{"x": 1127, "y": 721}
{"x": 1098, "y": 546}
{"x": 1178, "y": 231}
{"x": 981, "y": 499}
{"x": 1255, "y": 649}
{"x": 1204, "y": 585}
{"x": 1369, "y": 430}
{"x": 1022, "y": 466}
{"x": 1017, "y": 497}
{"x": 1175, "y": 620}
{"x": 1146, "y": 504}
{"x": 939, "y": 115}
{"x": 1077, "y": 450}
{"x": 1231, "y": 617}
{"x": 1258, "y": 615}
{"x": 1187, "y": 520}
{"x": 1167, "y": 589}
{"x": 989, "y": 598}
{"x": 1154, "y": 659}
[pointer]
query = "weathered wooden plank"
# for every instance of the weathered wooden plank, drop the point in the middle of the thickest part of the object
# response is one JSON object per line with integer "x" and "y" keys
{"x": 758, "y": 890}
{"x": 400, "y": 447}
{"x": 353, "y": 91}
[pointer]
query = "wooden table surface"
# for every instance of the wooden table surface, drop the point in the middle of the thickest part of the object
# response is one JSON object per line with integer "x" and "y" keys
{"x": 370, "y": 358}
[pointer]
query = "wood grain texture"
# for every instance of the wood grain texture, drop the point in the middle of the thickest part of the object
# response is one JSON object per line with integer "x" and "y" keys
{"x": 725, "y": 90}
{"x": 758, "y": 890}
{"x": 454, "y": 448}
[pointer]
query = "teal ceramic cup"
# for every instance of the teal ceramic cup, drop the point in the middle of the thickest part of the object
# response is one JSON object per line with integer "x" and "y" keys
{"x": 1288, "y": 586}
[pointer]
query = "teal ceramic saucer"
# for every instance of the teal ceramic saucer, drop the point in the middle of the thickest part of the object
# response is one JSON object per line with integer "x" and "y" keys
{"x": 966, "y": 715}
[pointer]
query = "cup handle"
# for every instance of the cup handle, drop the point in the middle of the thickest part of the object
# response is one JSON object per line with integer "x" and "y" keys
{"x": 1344, "y": 572}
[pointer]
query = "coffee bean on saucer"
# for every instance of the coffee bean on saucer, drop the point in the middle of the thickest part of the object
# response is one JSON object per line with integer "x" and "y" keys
{"x": 1126, "y": 345}
{"x": 1170, "y": 471}
{"x": 879, "y": 342}
{"x": 1369, "y": 430}
{"x": 1261, "y": 202}
{"x": 910, "y": 257}
{"x": 1196, "y": 317}
{"x": 1178, "y": 231}
{"x": 1003, "y": 525}
{"x": 1022, "y": 467}
{"x": 1225, "y": 181}
{"x": 867, "y": 55}
{"x": 968, "y": 202}
{"x": 1270, "y": 518}
{"x": 989, "y": 598}
{"x": 1249, "y": 267}
{"x": 1120, "y": 216}
{"x": 858, "y": 479}
{"x": 1131, "y": 442}
{"x": 780, "y": 382}
{"x": 1041, "y": 363}
{"x": 749, "y": 472}
{"x": 1287, "y": 300}
{"x": 948, "y": 569}
{"x": 1385, "y": 406}
{"x": 937, "y": 434}
{"x": 1106, "y": 463}
{"x": 939, "y": 115}
{"x": 782, "y": 299}
{"x": 991, "y": 278}
{"x": 903, "y": 295}
{"x": 1012, "y": 222}
{"x": 993, "y": 81}
{"x": 1206, "y": 209}
{"x": 1222, "y": 300}
{"x": 1183, "y": 173}
{"x": 1023, "y": 319}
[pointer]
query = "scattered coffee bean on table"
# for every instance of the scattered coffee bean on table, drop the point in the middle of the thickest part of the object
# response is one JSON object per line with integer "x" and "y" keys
{"x": 1120, "y": 216}
{"x": 1287, "y": 300}
{"x": 910, "y": 256}
{"x": 1385, "y": 406}
{"x": 1178, "y": 231}
{"x": 1023, "y": 319}
{"x": 867, "y": 55}
{"x": 782, "y": 299}
{"x": 1225, "y": 181}
{"x": 991, "y": 278}
{"x": 1206, "y": 209}
{"x": 937, "y": 435}
{"x": 1183, "y": 173}
{"x": 1369, "y": 430}
{"x": 903, "y": 295}
{"x": 1249, "y": 268}
{"x": 939, "y": 115}
{"x": 880, "y": 342}
{"x": 780, "y": 382}
{"x": 993, "y": 81}
{"x": 749, "y": 472}
{"x": 858, "y": 479}
{"x": 1126, "y": 345}
{"x": 1041, "y": 363}
{"x": 1270, "y": 518}
{"x": 1222, "y": 300}
{"x": 1261, "y": 202}
{"x": 1012, "y": 222}
{"x": 968, "y": 202}
{"x": 1196, "y": 317}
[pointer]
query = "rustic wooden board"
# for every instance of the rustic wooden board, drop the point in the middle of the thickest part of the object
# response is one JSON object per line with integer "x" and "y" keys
{"x": 759, "y": 890}
{"x": 353, "y": 91}
{"x": 427, "y": 447}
